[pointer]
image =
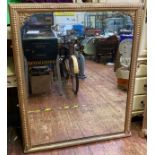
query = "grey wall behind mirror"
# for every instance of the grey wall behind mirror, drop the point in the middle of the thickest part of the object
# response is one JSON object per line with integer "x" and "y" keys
{"x": 61, "y": 105}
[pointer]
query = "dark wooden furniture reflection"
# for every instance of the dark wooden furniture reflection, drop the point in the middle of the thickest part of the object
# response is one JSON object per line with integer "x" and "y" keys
{"x": 106, "y": 48}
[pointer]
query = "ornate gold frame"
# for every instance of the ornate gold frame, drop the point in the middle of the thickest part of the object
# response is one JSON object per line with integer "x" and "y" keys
{"x": 19, "y": 12}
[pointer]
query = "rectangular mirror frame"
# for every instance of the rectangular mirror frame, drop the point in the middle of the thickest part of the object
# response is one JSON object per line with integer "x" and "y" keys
{"x": 20, "y": 12}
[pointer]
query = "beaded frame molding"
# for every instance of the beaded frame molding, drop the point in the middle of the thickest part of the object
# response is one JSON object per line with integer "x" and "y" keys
{"x": 20, "y": 12}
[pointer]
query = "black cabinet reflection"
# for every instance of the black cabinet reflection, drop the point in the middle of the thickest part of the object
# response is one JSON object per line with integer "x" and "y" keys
{"x": 38, "y": 40}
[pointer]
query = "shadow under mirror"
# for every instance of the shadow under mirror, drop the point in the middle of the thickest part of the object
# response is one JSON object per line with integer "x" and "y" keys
{"x": 76, "y": 71}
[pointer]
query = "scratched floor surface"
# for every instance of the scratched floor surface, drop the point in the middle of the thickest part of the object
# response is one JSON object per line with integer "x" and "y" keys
{"x": 99, "y": 108}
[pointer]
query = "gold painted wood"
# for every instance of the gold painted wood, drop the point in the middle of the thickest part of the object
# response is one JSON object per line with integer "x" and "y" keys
{"x": 77, "y": 142}
{"x": 19, "y": 12}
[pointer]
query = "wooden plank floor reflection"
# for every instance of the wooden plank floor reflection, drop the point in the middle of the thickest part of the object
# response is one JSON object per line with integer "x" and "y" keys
{"x": 99, "y": 108}
{"x": 134, "y": 145}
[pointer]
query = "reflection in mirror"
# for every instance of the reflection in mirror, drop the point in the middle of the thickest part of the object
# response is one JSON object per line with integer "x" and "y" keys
{"x": 76, "y": 71}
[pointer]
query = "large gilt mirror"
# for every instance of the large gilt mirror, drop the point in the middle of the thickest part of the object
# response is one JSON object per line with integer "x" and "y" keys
{"x": 75, "y": 67}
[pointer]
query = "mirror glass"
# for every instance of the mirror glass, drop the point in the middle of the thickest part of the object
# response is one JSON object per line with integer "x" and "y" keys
{"x": 76, "y": 67}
